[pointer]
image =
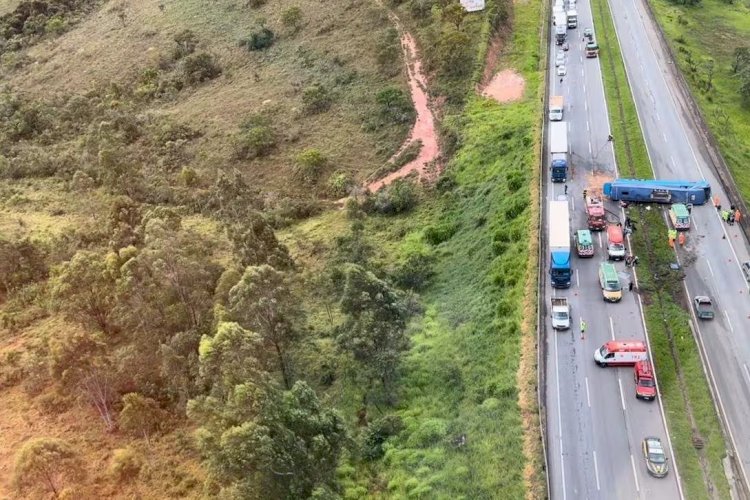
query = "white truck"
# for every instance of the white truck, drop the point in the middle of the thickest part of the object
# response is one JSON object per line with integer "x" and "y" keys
{"x": 560, "y": 313}
{"x": 555, "y": 108}
{"x": 560, "y": 27}
{"x": 572, "y": 18}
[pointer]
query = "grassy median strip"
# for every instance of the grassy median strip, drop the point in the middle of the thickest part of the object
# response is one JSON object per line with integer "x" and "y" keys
{"x": 693, "y": 423}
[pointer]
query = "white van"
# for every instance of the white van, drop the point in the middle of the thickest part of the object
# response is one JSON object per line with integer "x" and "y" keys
{"x": 621, "y": 353}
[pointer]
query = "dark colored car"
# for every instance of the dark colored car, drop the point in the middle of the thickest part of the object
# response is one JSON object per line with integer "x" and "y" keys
{"x": 656, "y": 459}
{"x": 704, "y": 309}
{"x": 589, "y": 33}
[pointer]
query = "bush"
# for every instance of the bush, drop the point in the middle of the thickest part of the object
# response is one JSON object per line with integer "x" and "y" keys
{"x": 292, "y": 17}
{"x": 55, "y": 25}
{"x": 399, "y": 197}
{"x": 388, "y": 52}
{"x": 197, "y": 68}
{"x": 339, "y": 184}
{"x": 434, "y": 235}
{"x": 256, "y": 3}
{"x": 259, "y": 40}
{"x": 395, "y": 105}
{"x": 126, "y": 464}
{"x": 186, "y": 42}
{"x": 415, "y": 271}
{"x": 377, "y": 434}
{"x": 257, "y": 138}
{"x": 315, "y": 99}
{"x": 454, "y": 53}
{"x": 309, "y": 165}
{"x": 420, "y": 9}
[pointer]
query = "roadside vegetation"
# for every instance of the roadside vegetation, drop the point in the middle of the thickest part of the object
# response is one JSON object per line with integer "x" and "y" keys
{"x": 182, "y": 314}
{"x": 693, "y": 424}
{"x": 711, "y": 43}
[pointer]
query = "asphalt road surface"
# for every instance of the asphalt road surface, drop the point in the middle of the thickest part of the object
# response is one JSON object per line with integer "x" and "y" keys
{"x": 595, "y": 424}
{"x": 714, "y": 250}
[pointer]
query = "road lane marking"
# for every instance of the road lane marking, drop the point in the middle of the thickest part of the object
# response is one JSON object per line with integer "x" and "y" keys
{"x": 573, "y": 204}
{"x": 658, "y": 119}
{"x": 674, "y": 163}
{"x": 635, "y": 473}
{"x": 747, "y": 372}
{"x": 596, "y": 472}
{"x": 588, "y": 396}
{"x": 559, "y": 419}
{"x": 710, "y": 269}
{"x": 584, "y": 88}
{"x": 601, "y": 245}
{"x": 612, "y": 327}
{"x": 664, "y": 135}
{"x": 590, "y": 152}
{"x": 728, "y": 320}
{"x": 587, "y": 126}
{"x": 578, "y": 281}
{"x": 622, "y": 394}
{"x": 586, "y": 105}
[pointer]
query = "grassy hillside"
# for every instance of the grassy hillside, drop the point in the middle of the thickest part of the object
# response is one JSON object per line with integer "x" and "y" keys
{"x": 704, "y": 38}
{"x": 149, "y": 159}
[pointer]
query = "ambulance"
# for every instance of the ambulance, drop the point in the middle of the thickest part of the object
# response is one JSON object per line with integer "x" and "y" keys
{"x": 621, "y": 353}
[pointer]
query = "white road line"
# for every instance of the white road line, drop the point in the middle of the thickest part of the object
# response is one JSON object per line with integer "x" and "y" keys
{"x": 586, "y": 105}
{"x": 559, "y": 420}
{"x": 584, "y": 88}
{"x": 587, "y": 126}
{"x": 590, "y": 151}
{"x": 601, "y": 245}
{"x": 578, "y": 281}
{"x": 573, "y": 204}
{"x": 729, "y": 322}
{"x": 664, "y": 136}
{"x": 612, "y": 327}
{"x": 580, "y": 58}
{"x": 674, "y": 163}
{"x": 710, "y": 269}
{"x": 658, "y": 119}
{"x": 588, "y": 396}
{"x": 635, "y": 474}
{"x": 744, "y": 365}
{"x": 596, "y": 472}
{"x": 622, "y": 394}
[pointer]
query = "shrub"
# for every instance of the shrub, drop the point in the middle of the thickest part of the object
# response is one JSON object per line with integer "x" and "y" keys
{"x": 454, "y": 53}
{"x": 377, "y": 434}
{"x": 339, "y": 184}
{"x": 420, "y": 9}
{"x": 388, "y": 52}
{"x": 292, "y": 17}
{"x": 395, "y": 105}
{"x": 400, "y": 196}
{"x": 415, "y": 271}
{"x": 259, "y": 40}
{"x": 257, "y": 138}
{"x": 434, "y": 235}
{"x": 315, "y": 99}
{"x": 188, "y": 177}
{"x": 186, "y": 42}
{"x": 46, "y": 465}
{"x": 310, "y": 164}
{"x": 256, "y": 3}
{"x": 126, "y": 464}
{"x": 55, "y": 25}
{"x": 197, "y": 68}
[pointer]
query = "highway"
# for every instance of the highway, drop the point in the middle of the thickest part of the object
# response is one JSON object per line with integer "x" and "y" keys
{"x": 595, "y": 424}
{"x": 714, "y": 250}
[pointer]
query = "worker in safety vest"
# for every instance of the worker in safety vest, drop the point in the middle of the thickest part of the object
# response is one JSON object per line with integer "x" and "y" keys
{"x": 737, "y": 216}
{"x": 725, "y": 215}
{"x": 682, "y": 239}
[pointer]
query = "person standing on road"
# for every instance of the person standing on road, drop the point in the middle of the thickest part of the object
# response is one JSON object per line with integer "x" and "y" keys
{"x": 630, "y": 287}
{"x": 737, "y": 216}
{"x": 566, "y": 189}
{"x": 583, "y": 328}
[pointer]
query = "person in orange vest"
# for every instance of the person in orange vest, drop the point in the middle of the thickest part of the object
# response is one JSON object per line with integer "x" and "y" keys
{"x": 737, "y": 216}
{"x": 682, "y": 239}
{"x": 716, "y": 203}
{"x": 671, "y": 242}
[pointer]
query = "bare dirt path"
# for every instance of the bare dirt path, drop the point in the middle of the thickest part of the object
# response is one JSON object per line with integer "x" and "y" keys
{"x": 424, "y": 127}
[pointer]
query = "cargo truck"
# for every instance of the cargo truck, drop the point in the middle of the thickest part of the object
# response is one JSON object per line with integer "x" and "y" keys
{"x": 572, "y": 18}
{"x": 560, "y": 313}
{"x": 658, "y": 191}
{"x": 595, "y": 213}
{"x": 558, "y": 132}
{"x": 560, "y": 27}
{"x": 556, "y": 108}
{"x": 559, "y": 244}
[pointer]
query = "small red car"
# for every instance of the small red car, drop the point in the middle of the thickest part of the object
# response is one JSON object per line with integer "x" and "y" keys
{"x": 645, "y": 387}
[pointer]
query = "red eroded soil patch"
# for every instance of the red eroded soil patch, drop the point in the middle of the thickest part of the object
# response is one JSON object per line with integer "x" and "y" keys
{"x": 506, "y": 86}
{"x": 424, "y": 128}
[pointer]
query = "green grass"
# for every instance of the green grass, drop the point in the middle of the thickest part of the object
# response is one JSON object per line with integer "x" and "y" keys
{"x": 673, "y": 346}
{"x": 712, "y": 31}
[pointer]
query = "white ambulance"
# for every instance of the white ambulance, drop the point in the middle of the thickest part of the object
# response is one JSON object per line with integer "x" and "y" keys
{"x": 621, "y": 353}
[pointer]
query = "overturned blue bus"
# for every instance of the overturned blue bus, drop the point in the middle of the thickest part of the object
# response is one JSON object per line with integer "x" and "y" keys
{"x": 658, "y": 191}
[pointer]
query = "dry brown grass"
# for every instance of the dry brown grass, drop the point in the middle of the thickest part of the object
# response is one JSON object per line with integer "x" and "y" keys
{"x": 8, "y": 6}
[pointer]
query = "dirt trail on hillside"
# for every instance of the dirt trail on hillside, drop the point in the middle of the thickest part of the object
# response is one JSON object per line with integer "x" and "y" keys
{"x": 424, "y": 127}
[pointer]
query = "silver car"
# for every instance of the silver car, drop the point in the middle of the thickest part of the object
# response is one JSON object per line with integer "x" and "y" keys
{"x": 560, "y": 59}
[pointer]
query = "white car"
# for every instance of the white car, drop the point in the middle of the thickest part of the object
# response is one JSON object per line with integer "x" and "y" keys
{"x": 561, "y": 71}
{"x": 560, "y": 60}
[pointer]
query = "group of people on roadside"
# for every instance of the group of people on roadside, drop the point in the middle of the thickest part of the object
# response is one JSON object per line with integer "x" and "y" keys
{"x": 729, "y": 216}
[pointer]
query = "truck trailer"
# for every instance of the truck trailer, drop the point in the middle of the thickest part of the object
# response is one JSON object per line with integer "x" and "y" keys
{"x": 572, "y": 18}
{"x": 658, "y": 191}
{"x": 556, "y": 108}
{"x": 559, "y": 244}
{"x": 558, "y": 132}
{"x": 560, "y": 22}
